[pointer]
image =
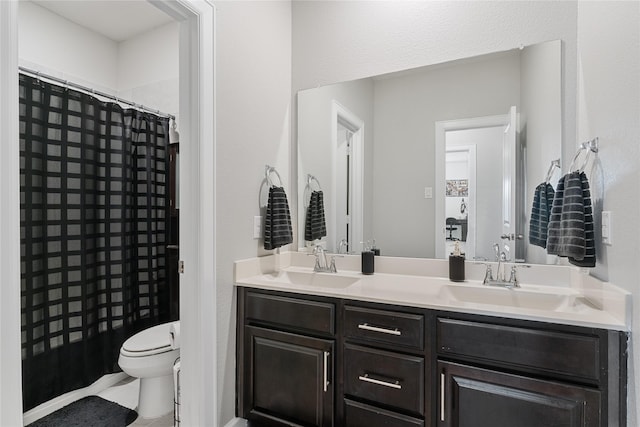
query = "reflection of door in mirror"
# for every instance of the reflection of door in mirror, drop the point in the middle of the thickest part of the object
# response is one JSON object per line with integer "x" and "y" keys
{"x": 482, "y": 138}
{"x": 348, "y": 180}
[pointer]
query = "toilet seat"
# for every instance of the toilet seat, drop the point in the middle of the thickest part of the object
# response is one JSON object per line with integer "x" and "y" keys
{"x": 154, "y": 340}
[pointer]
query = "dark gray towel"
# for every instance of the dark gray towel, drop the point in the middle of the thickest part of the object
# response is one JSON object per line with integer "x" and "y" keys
{"x": 277, "y": 222}
{"x": 571, "y": 232}
{"x": 540, "y": 213}
{"x": 589, "y": 259}
{"x": 315, "y": 225}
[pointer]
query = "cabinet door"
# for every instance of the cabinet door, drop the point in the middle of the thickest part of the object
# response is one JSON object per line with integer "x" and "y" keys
{"x": 474, "y": 397}
{"x": 289, "y": 378}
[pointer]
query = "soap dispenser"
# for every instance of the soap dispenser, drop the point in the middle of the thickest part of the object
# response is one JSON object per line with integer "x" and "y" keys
{"x": 456, "y": 264}
{"x": 367, "y": 260}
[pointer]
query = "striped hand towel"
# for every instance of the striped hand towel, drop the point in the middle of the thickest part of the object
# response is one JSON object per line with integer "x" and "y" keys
{"x": 571, "y": 223}
{"x": 540, "y": 213}
{"x": 315, "y": 225}
{"x": 589, "y": 259}
{"x": 277, "y": 223}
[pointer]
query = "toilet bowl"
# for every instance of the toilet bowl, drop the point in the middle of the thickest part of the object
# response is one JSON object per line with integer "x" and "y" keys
{"x": 148, "y": 355}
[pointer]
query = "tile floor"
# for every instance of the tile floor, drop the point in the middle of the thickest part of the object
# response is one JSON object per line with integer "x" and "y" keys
{"x": 125, "y": 393}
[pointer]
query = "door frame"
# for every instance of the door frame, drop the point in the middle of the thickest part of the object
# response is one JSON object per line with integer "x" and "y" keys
{"x": 197, "y": 222}
{"x": 442, "y": 127}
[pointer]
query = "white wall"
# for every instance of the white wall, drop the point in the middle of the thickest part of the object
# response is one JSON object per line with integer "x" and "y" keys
{"x": 65, "y": 49}
{"x": 609, "y": 108}
{"x": 253, "y": 101}
{"x": 541, "y": 113}
{"x": 147, "y": 70}
{"x": 143, "y": 69}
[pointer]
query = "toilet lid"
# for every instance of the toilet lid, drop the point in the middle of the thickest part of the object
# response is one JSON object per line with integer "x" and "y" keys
{"x": 150, "y": 341}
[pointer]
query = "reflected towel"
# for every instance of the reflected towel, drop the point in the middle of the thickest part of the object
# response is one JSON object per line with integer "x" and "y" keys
{"x": 540, "y": 213}
{"x": 571, "y": 230}
{"x": 277, "y": 223}
{"x": 315, "y": 226}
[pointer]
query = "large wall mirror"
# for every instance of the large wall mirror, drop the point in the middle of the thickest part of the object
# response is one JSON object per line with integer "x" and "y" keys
{"x": 423, "y": 158}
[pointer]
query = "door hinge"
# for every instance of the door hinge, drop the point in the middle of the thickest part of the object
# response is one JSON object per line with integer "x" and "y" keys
{"x": 181, "y": 267}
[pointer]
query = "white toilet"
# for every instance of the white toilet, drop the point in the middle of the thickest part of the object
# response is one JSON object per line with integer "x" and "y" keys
{"x": 148, "y": 355}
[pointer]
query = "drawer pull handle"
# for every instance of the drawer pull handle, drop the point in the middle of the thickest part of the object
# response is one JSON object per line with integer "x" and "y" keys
{"x": 442, "y": 397}
{"x": 368, "y": 379}
{"x": 325, "y": 371}
{"x": 368, "y": 327}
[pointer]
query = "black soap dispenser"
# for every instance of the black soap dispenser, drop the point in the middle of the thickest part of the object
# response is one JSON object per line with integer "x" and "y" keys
{"x": 367, "y": 260}
{"x": 456, "y": 265}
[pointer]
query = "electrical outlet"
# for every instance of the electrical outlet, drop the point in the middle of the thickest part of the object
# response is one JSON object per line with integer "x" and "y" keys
{"x": 607, "y": 233}
{"x": 257, "y": 227}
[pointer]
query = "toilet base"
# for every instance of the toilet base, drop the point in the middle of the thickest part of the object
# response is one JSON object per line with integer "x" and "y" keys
{"x": 155, "y": 397}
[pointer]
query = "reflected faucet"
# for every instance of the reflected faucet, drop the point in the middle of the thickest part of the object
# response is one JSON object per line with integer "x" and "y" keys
{"x": 343, "y": 246}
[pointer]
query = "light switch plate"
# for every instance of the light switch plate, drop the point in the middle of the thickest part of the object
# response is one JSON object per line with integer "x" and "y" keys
{"x": 606, "y": 228}
{"x": 257, "y": 227}
{"x": 428, "y": 192}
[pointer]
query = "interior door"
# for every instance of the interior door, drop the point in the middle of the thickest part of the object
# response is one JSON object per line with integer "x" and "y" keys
{"x": 509, "y": 186}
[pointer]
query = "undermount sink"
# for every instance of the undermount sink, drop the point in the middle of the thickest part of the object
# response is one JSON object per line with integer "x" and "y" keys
{"x": 311, "y": 279}
{"x": 518, "y": 297}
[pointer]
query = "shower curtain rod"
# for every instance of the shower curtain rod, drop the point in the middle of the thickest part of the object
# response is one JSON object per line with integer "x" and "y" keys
{"x": 91, "y": 91}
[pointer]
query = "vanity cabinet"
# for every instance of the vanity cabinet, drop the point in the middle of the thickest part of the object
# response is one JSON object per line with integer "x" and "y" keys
{"x": 287, "y": 357}
{"x": 308, "y": 360}
{"x": 507, "y": 373}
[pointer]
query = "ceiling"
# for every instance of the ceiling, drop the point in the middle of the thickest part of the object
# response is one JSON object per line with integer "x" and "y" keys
{"x": 118, "y": 20}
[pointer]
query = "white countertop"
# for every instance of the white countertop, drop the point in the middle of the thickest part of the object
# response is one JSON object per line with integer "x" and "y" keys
{"x": 557, "y": 294}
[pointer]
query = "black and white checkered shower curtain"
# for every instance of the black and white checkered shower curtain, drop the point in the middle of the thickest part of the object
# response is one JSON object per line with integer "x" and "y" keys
{"x": 94, "y": 200}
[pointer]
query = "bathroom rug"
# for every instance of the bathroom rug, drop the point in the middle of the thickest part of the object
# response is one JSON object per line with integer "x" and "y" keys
{"x": 91, "y": 411}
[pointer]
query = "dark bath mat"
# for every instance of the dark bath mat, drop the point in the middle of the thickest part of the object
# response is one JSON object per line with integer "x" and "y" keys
{"x": 92, "y": 411}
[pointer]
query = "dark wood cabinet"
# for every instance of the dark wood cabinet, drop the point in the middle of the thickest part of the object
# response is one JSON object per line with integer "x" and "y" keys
{"x": 290, "y": 378}
{"x": 286, "y": 360}
{"x": 307, "y": 360}
{"x": 472, "y": 397}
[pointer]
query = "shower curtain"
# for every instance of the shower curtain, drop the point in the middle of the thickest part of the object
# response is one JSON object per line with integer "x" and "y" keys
{"x": 94, "y": 210}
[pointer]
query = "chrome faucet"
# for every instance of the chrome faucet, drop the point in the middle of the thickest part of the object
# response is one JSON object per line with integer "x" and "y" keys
{"x": 500, "y": 279}
{"x": 322, "y": 266}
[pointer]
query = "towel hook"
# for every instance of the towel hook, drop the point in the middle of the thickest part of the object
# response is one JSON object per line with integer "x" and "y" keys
{"x": 267, "y": 175}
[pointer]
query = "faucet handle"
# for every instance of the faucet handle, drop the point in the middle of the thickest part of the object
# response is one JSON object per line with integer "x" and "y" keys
{"x": 514, "y": 277}
{"x": 488, "y": 275}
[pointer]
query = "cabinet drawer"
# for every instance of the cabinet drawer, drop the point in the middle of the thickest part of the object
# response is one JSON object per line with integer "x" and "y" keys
{"x": 295, "y": 313}
{"x": 384, "y": 326}
{"x": 384, "y": 377}
{"x": 521, "y": 348}
{"x": 361, "y": 415}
